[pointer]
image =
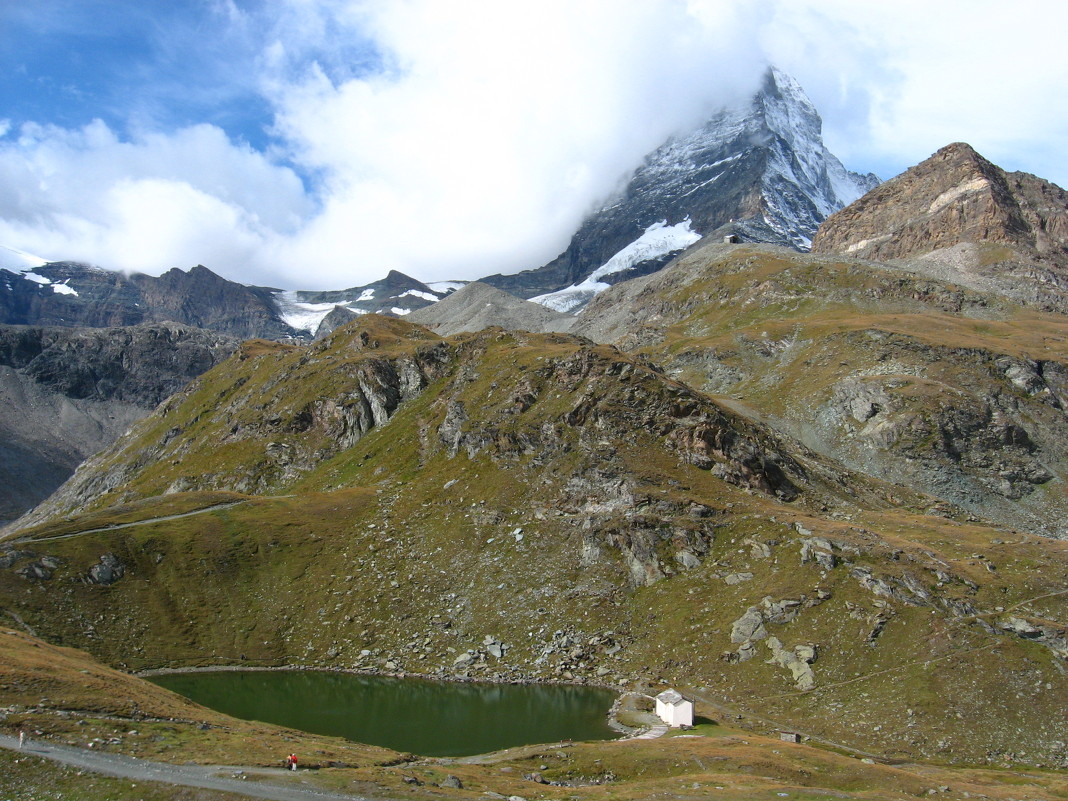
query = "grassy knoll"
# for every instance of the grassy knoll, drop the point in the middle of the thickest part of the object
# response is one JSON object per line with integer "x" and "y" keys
{"x": 64, "y": 694}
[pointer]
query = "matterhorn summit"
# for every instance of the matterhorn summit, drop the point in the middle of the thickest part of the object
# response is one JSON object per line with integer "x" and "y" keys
{"x": 759, "y": 171}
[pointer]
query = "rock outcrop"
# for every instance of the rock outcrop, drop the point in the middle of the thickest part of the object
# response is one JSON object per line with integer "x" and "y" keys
{"x": 872, "y": 364}
{"x": 66, "y": 393}
{"x": 960, "y": 217}
{"x": 72, "y": 294}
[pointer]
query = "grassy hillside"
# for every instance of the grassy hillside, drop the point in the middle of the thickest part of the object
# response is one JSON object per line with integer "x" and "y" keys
{"x": 63, "y": 694}
{"x": 593, "y": 518}
{"x": 941, "y": 389}
{"x": 715, "y": 759}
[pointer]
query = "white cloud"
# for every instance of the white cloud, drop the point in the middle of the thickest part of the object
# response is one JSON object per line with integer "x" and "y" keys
{"x": 156, "y": 202}
{"x": 896, "y": 81}
{"x": 497, "y": 125}
{"x": 451, "y": 140}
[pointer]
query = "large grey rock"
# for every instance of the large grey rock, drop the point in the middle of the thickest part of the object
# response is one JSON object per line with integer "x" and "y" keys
{"x": 797, "y": 661}
{"x": 108, "y": 571}
{"x": 749, "y": 626}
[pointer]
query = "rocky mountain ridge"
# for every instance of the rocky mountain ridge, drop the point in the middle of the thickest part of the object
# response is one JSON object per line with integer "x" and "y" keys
{"x": 761, "y": 171}
{"x": 79, "y": 295}
{"x": 69, "y": 392}
{"x": 959, "y": 217}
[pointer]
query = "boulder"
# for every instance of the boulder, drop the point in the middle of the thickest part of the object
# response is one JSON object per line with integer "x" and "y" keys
{"x": 749, "y": 626}
{"x": 108, "y": 571}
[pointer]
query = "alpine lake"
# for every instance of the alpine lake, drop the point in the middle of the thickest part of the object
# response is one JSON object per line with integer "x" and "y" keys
{"x": 430, "y": 718}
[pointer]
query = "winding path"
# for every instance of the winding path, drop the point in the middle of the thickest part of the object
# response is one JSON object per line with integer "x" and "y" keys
{"x": 203, "y": 776}
{"x": 116, "y": 526}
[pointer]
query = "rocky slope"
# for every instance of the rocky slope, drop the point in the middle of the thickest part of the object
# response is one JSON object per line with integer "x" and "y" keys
{"x": 948, "y": 391}
{"x": 517, "y": 506}
{"x": 961, "y": 218}
{"x": 287, "y": 410}
{"x": 34, "y": 292}
{"x": 761, "y": 170}
{"x": 67, "y": 393}
{"x": 478, "y": 306}
{"x": 70, "y": 294}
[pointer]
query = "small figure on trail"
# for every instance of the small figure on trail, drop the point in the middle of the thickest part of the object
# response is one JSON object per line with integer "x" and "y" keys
{"x": 22, "y": 736}
{"x": 292, "y": 761}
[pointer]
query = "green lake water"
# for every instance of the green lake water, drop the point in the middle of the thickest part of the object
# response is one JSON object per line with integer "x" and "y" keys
{"x": 432, "y": 718}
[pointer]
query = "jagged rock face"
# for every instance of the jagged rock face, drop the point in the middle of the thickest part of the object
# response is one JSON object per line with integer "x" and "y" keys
{"x": 141, "y": 364}
{"x": 70, "y": 294}
{"x": 337, "y": 317}
{"x": 882, "y": 369}
{"x": 762, "y": 169}
{"x": 957, "y": 210}
{"x": 264, "y": 438}
{"x": 954, "y": 196}
{"x": 67, "y": 393}
{"x": 200, "y": 297}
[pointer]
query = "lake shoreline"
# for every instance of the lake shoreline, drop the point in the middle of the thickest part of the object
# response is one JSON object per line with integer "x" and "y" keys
{"x": 401, "y": 674}
{"x": 406, "y": 713}
{"x": 611, "y": 715}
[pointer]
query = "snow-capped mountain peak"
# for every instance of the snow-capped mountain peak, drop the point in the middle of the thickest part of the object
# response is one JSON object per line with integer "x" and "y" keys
{"x": 759, "y": 170}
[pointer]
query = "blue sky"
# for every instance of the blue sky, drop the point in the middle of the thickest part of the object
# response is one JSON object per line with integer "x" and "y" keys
{"x": 320, "y": 143}
{"x": 68, "y": 62}
{"x": 140, "y": 65}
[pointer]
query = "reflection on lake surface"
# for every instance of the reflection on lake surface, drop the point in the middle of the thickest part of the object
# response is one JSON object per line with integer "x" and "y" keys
{"x": 425, "y": 717}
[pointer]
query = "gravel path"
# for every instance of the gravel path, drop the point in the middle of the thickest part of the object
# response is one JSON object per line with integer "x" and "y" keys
{"x": 203, "y": 776}
{"x": 117, "y": 526}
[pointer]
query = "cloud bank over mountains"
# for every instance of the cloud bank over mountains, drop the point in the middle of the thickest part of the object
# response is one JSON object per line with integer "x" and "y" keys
{"x": 325, "y": 142}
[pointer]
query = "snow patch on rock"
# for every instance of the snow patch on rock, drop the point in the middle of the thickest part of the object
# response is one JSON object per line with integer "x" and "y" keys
{"x": 419, "y": 294}
{"x": 300, "y": 315}
{"x": 64, "y": 289}
{"x": 659, "y": 240}
{"x": 444, "y": 287}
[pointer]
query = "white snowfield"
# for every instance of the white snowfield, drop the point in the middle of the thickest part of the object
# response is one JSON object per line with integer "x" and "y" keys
{"x": 444, "y": 287}
{"x": 305, "y": 316}
{"x": 63, "y": 289}
{"x": 17, "y": 261}
{"x": 659, "y": 239}
{"x": 415, "y": 293}
{"x": 23, "y": 264}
